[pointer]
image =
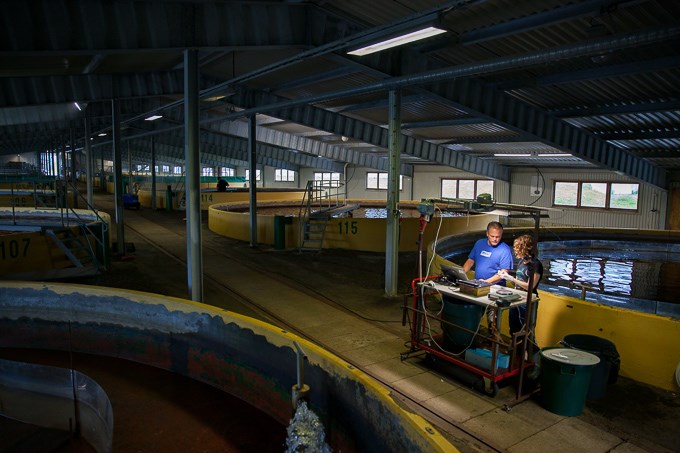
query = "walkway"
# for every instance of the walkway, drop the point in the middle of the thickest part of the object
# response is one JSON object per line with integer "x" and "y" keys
{"x": 336, "y": 300}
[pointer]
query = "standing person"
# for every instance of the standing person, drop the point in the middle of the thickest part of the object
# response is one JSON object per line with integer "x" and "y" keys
{"x": 523, "y": 247}
{"x": 490, "y": 255}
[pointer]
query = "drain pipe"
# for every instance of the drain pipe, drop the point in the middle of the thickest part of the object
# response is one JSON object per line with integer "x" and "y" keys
{"x": 300, "y": 390}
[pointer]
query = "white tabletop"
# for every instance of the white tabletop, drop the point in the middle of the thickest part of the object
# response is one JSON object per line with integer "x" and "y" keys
{"x": 454, "y": 291}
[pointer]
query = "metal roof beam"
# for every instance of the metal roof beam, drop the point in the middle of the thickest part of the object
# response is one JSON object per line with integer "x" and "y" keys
{"x": 618, "y": 109}
{"x": 639, "y": 135}
{"x": 526, "y": 119}
{"x": 541, "y": 20}
{"x": 306, "y": 145}
{"x": 604, "y": 72}
{"x": 442, "y": 123}
{"x": 370, "y": 133}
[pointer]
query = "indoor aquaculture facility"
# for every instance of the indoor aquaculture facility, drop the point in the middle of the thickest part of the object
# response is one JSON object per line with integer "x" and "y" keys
{"x": 339, "y": 226}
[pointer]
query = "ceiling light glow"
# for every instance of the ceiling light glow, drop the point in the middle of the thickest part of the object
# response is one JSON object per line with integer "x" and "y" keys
{"x": 153, "y": 118}
{"x": 398, "y": 41}
{"x": 512, "y": 155}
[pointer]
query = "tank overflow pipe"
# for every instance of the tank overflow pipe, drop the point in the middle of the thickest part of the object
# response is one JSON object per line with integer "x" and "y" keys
{"x": 300, "y": 389}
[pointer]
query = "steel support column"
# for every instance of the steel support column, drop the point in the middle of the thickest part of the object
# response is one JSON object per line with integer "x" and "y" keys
{"x": 117, "y": 175}
{"x": 153, "y": 174}
{"x": 74, "y": 181}
{"x": 392, "y": 233}
{"x": 252, "y": 165}
{"x": 192, "y": 188}
{"x": 90, "y": 164}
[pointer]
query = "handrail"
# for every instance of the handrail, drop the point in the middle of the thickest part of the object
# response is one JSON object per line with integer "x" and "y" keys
{"x": 316, "y": 194}
{"x": 67, "y": 213}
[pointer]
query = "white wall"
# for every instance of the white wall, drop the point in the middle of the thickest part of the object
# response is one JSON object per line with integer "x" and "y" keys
{"x": 356, "y": 185}
{"x": 651, "y": 212}
{"x": 426, "y": 183}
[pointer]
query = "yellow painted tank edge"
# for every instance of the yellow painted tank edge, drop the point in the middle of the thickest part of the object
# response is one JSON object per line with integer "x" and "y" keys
{"x": 278, "y": 337}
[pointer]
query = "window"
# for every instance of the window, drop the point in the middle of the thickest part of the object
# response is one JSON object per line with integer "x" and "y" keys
{"x": 624, "y": 196}
{"x": 177, "y": 170}
{"x": 328, "y": 179}
{"x": 166, "y": 168}
{"x": 207, "y": 171}
{"x": 378, "y": 181}
{"x": 466, "y": 188}
{"x": 602, "y": 195}
{"x": 566, "y": 193}
{"x": 226, "y": 171}
{"x": 257, "y": 175}
{"x": 281, "y": 174}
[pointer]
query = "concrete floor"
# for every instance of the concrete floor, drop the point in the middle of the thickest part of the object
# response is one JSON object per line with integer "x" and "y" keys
{"x": 336, "y": 299}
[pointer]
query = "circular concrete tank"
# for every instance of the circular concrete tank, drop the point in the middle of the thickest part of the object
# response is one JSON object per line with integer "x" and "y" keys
{"x": 247, "y": 358}
{"x": 361, "y": 229}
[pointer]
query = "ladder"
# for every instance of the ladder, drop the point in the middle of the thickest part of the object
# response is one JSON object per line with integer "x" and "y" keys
{"x": 76, "y": 248}
{"x": 322, "y": 201}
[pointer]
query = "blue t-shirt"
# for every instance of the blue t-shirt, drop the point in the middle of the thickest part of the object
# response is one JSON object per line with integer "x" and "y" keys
{"x": 489, "y": 260}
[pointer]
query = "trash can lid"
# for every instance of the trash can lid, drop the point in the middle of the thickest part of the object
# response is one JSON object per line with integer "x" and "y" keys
{"x": 570, "y": 356}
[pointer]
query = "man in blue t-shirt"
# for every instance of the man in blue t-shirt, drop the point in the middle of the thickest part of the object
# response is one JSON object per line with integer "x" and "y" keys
{"x": 490, "y": 255}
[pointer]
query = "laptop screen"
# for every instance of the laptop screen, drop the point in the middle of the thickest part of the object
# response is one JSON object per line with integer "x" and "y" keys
{"x": 454, "y": 273}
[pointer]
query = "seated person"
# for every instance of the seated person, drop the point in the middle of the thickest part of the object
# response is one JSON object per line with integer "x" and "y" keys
{"x": 222, "y": 185}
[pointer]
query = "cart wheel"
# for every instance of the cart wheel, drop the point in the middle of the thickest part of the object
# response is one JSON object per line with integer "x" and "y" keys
{"x": 490, "y": 387}
{"x": 507, "y": 408}
{"x": 403, "y": 356}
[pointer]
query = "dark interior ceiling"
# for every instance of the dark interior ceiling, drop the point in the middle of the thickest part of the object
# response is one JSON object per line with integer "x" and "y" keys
{"x": 598, "y": 80}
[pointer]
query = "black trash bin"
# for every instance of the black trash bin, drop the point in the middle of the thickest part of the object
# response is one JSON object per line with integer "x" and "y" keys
{"x": 604, "y": 373}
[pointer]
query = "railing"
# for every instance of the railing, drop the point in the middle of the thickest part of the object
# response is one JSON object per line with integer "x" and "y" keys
{"x": 68, "y": 216}
{"x": 320, "y": 195}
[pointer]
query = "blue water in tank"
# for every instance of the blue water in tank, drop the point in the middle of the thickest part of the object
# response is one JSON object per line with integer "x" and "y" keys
{"x": 640, "y": 276}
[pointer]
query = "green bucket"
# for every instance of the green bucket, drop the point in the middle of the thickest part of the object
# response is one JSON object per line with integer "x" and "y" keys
{"x": 462, "y": 314}
{"x": 565, "y": 377}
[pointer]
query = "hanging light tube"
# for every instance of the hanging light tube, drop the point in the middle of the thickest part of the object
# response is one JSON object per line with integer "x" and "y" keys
{"x": 398, "y": 41}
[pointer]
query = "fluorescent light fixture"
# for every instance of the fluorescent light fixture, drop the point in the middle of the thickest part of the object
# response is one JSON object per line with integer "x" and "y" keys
{"x": 153, "y": 118}
{"x": 102, "y": 134}
{"x": 398, "y": 41}
{"x": 217, "y": 97}
{"x": 78, "y": 106}
{"x": 554, "y": 155}
{"x": 512, "y": 155}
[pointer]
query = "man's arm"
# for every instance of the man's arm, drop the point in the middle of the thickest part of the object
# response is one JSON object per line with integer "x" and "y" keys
{"x": 468, "y": 265}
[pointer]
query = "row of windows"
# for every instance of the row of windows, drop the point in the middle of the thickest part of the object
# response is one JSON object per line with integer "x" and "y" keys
{"x": 602, "y": 195}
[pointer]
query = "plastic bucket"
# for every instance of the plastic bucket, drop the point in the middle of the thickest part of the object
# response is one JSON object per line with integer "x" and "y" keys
{"x": 565, "y": 378}
{"x": 462, "y": 314}
{"x": 607, "y": 371}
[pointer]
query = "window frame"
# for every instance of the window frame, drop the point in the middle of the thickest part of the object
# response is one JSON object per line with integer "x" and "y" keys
{"x": 327, "y": 178}
{"x": 258, "y": 175}
{"x": 284, "y": 175}
{"x": 608, "y": 191}
{"x": 378, "y": 173}
{"x": 475, "y": 189}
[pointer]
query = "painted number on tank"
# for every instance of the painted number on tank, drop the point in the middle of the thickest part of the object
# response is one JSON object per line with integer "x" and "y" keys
{"x": 13, "y": 248}
{"x": 206, "y": 197}
{"x": 348, "y": 227}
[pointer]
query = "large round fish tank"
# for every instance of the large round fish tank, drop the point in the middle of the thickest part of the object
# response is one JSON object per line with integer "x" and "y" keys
{"x": 635, "y": 270}
{"x": 362, "y": 228}
{"x": 254, "y": 361}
